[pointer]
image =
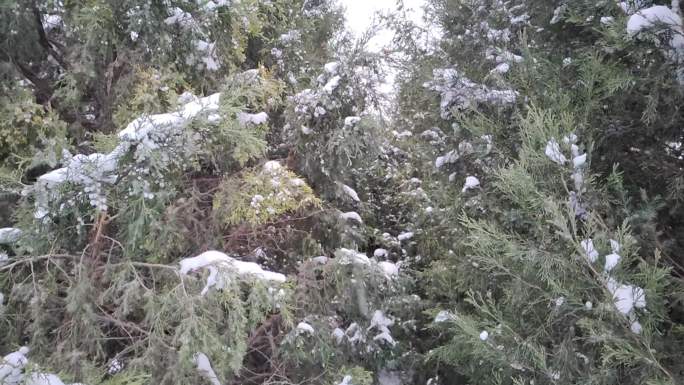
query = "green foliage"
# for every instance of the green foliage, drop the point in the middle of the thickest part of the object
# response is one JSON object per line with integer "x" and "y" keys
{"x": 260, "y": 197}
{"x": 436, "y": 283}
{"x": 29, "y": 135}
{"x": 152, "y": 92}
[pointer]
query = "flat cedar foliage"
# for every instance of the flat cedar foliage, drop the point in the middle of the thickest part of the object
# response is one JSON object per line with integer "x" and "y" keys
{"x": 217, "y": 192}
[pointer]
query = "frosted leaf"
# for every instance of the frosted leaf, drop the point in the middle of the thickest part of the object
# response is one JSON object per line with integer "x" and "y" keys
{"x": 256, "y": 201}
{"x": 304, "y": 327}
{"x": 351, "y": 121}
{"x": 321, "y": 259}
{"x": 353, "y": 215}
{"x": 465, "y": 148}
{"x": 559, "y": 302}
{"x": 51, "y": 22}
{"x": 450, "y": 157}
{"x": 626, "y": 297}
{"x": 631, "y": 6}
{"x": 351, "y": 193}
{"x": 43, "y": 379}
{"x": 444, "y": 316}
{"x": 12, "y": 366}
{"x": 607, "y": 20}
{"x": 508, "y": 57}
{"x": 402, "y": 135}
{"x": 579, "y": 161}
{"x": 574, "y": 150}
{"x": 319, "y": 111}
{"x": 389, "y": 269}
{"x": 348, "y": 257}
{"x": 554, "y": 153}
{"x": 180, "y": 17}
{"x": 578, "y": 180}
{"x": 204, "y": 368}
{"x": 382, "y": 323}
{"x": 389, "y": 377}
{"x": 614, "y": 246}
{"x": 255, "y": 119}
{"x": 558, "y": 14}
{"x": 338, "y": 334}
{"x": 577, "y": 206}
{"x": 520, "y": 19}
{"x": 571, "y": 138}
{"x": 457, "y": 91}
{"x": 114, "y": 366}
{"x": 639, "y": 297}
{"x": 207, "y": 51}
{"x": 211, "y": 280}
{"x": 332, "y": 84}
{"x": 272, "y": 167}
{"x": 611, "y": 261}
{"x": 471, "y": 182}
{"x": 405, "y": 236}
{"x": 290, "y": 36}
{"x": 661, "y": 15}
{"x": 501, "y": 68}
{"x": 354, "y": 334}
{"x": 331, "y": 67}
{"x": 212, "y": 5}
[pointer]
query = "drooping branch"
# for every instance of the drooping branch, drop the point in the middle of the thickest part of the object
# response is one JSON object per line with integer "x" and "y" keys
{"x": 43, "y": 39}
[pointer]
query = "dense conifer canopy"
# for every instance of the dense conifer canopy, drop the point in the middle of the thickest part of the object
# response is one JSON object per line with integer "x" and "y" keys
{"x": 224, "y": 192}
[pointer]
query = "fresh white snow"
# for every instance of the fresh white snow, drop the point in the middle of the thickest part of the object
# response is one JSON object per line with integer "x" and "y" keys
{"x": 471, "y": 182}
{"x": 381, "y": 323}
{"x": 579, "y": 161}
{"x": 405, "y": 236}
{"x": 255, "y": 119}
{"x": 215, "y": 260}
{"x": 95, "y": 170}
{"x": 9, "y": 235}
{"x": 351, "y": 193}
{"x": 554, "y": 153}
{"x": 652, "y": 16}
{"x": 589, "y": 250}
{"x": 204, "y": 368}
{"x": 444, "y": 316}
{"x": 611, "y": 261}
{"x": 389, "y": 269}
{"x": 304, "y": 327}
{"x": 12, "y": 367}
{"x": 353, "y": 215}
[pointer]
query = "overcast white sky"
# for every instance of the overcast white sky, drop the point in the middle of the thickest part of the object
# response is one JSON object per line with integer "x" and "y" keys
{"x": 360, "y": 12}
{"x": 360, "y": 15}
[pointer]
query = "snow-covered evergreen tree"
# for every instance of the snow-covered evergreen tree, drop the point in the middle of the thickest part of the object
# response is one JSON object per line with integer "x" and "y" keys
{"x": 216, "y": 192}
